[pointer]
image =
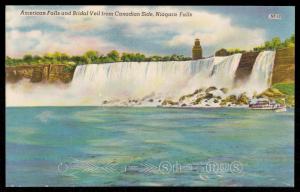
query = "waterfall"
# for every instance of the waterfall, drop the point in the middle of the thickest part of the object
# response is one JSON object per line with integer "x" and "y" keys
{"x": 224, "y": 70}
{"x": 144, "y": 82}
{"x": 260, "y": 77}
{"x": 125, "y": 80}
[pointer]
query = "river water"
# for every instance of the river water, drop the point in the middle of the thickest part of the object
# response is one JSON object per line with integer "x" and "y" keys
{"x": 119, "y": 146}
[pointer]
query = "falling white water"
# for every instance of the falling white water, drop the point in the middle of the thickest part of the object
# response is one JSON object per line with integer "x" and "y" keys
{"x": 260, "y": 77}
{"x": 224, "y": 70}
{"x": 128, "y": 80}
{"x": 94, "y": 83}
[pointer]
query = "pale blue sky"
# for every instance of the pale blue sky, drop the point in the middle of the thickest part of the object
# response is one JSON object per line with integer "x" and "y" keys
{"x": 216, "y": 26}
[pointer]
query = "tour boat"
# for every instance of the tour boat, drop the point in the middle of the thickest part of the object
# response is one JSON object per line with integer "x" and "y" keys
{"x": 266, "y": 104}
{"x": 282, "y": 109}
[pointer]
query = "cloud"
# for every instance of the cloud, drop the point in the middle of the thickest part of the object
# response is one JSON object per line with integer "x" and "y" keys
{"x": 233, "y": 37}
{"x": 38, "y": 42}
{"x": 80, "y": 33}
{"x": 213, "y": 29}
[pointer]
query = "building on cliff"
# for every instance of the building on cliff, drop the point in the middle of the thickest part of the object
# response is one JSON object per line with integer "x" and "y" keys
{"x": 197, "y": 50}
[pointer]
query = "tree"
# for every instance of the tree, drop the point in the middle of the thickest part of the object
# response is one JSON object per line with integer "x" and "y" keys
{"x": 155, "y": 58}
{"x": 9, "y": 61}
{"x": 276, "y": 43}
{"x": 48, "y": 58}
{"x": 139, "y": 57}
{"x": 35, "y": 60}
{"x": 57, "y": 56}
{"x": 91, "y": 56}
{"x": 125, "y": 57}
{"x": 290, "y": 42}
{"x": 268, "y": 45}
{"x": 65, "y": 56}
{"x": 292, "y": 38}
{"x": 166, "y": 58}
{"x": 78, "y": 60}
{"x": 174, "y": 57}
{"x": 108, "y": 60}
{"x": 27, "y": 58}
{"x": 114, "y": 55}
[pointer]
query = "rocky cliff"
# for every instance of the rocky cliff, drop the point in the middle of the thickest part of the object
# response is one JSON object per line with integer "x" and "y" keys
{"x": 245, "y": 66}
{"x": 283, "y": 71}
{"x": 40, "y": 73}
{"x": 284, "y": 66}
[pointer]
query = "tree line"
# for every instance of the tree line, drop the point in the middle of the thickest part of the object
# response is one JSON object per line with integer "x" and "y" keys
{"x": 275, "y": 43}
{"x": 89, "y": 57}
{"x": 93, "y": 56}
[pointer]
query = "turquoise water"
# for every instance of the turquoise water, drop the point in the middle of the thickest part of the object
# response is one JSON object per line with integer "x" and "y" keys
{"x": 118, "y": 146}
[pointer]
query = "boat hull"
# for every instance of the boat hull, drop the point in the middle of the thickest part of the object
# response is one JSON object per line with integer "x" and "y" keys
{"x": 281, "y": 109}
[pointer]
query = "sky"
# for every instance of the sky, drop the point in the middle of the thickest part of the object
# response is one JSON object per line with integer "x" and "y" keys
{"x": 216, "y": 27}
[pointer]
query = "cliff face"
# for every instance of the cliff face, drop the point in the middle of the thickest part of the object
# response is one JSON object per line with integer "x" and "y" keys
{"x": 284, "y": 66}
{"x": 283, "y": 71}
{"x": 245, "y": 66}
{"x": 40, "y": 73}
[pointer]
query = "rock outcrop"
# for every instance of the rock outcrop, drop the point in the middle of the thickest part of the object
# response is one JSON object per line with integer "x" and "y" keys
{"x": 279, "y": 97}
{"x": 205, "y": 97}
{"x": 284, "y": 66}
{"x": 40, "y": 73}
{"x": 271, "y": 93}
{"x": 224, "y": 90}
{"x": 202, "y": 97}
{"x": 245, "y": 66}
{"x": 169, "y": 102}
{"x": 283, "y": 71}
{"x": 210, "y": 89}
{"x": 228, "y": 100}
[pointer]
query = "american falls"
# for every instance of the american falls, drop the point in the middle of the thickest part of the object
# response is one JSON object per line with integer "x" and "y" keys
{"x": 148, "y": 83}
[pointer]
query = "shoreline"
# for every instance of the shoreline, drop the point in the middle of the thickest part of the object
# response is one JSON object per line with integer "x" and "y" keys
{"x": 169, "y": 107}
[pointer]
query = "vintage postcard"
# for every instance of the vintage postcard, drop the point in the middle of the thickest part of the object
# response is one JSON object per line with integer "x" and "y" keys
{"x": 149, "y": 95}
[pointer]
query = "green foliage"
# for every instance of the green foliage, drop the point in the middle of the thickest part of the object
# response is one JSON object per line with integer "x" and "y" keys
{"x": 69, "y": 67}
{"x": 27, "y": 58}
{"x": 114, "y": 55}
{"x": 286, "y": 88}
{"x": 290, "y": 42}
{"x": 276, "y": 43}
{"x": 139, "y": 57}
{"x": 235, "y": 50}
{"x": 90, "y": 56}
{"x": 230, "y": 51}
{"x": 129, "y": 57}
{"x": 155, "y": 58}
{"x": 166, "y": 58}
